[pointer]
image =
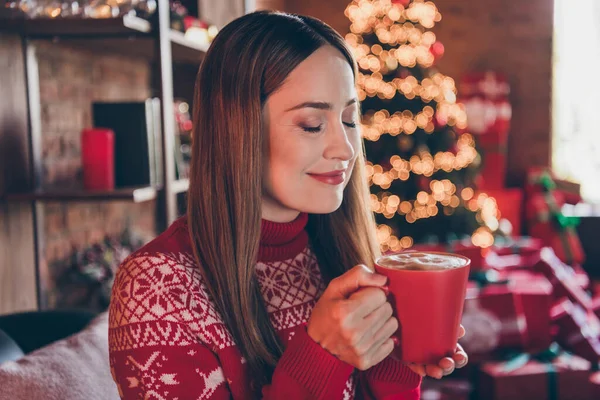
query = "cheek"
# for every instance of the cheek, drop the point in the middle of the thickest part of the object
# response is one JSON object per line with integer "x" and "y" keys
{"x": 287, "y": 165}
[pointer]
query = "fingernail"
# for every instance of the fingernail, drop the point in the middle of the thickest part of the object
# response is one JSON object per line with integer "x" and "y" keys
{"x": 396, "y": 341}
{"x": 386, "y": 290}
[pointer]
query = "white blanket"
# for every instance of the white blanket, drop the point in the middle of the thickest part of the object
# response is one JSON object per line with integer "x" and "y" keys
{"x": 75, "y": 368}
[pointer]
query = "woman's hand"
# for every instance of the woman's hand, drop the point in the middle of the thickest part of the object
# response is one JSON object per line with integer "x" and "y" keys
{"x": 446, "y": 365}
{"x": 353, "y": 319}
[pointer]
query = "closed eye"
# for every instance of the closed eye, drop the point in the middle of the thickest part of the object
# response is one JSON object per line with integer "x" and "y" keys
{"x": 350, "y": 124}
{"x": 312, "y": 129}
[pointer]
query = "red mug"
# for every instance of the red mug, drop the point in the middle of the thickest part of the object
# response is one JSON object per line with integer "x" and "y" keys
{"x": 428, "y": 305}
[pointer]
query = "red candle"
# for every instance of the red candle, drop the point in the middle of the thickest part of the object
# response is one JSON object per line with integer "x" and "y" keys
{"x": 98, "y": 158}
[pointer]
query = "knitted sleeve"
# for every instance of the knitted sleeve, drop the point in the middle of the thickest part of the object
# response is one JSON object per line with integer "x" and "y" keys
{"x": 167, "y": 341}
{"x": 389, "y": 380}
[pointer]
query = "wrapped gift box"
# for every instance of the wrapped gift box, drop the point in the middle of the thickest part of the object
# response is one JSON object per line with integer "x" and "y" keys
{"x": 522, "y": 245}
{"x": 476, "y": 254}
{"x": 542, "y": 179}
{"x": 566, "y": 377}
{"x": 510, "y": 204}
{"x": 493, "y": 318}
{"x": 577, "y": 329}
{"x": 543, "y": 210}
{"x": 535, "y": 291}
{"x": 492, "y": 146}
{"x": 580, "y": 276}
{"x": 511, "y": 262}
{"x": 563, "y": 281}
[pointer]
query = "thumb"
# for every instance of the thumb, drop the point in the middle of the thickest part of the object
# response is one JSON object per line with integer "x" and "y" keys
{"x": 354, "y": 279}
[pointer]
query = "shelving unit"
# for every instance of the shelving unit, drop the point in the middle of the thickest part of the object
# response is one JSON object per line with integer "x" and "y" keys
{"x": 127, "y": 36}
{"x": 136, "y": 195}
{"x": 181, "y": 185}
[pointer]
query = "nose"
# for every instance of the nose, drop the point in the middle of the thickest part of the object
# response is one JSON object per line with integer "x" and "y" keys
{"x": 339, "y": 145}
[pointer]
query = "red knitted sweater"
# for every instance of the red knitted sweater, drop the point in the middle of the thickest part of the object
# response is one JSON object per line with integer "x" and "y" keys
{"x": 167, "y": 341}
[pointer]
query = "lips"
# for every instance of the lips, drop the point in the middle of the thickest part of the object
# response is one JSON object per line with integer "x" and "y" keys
{"x": 330, "y": 178}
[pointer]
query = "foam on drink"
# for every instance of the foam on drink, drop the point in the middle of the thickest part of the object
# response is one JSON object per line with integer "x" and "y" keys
{"x": 419, "y": 261}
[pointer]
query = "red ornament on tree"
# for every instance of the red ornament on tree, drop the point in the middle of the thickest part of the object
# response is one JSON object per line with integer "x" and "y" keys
{"x": 437, "y": 49}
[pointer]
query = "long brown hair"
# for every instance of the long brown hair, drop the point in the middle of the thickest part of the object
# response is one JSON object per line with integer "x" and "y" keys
{"x": 248, "y": 60}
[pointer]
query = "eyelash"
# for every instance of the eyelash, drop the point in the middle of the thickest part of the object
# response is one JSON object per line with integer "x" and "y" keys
{"x": 317, "y": 129}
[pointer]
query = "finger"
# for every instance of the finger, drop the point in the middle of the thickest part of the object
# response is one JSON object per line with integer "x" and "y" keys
{"x": 380, "y": 353}
{"x": 460, "y": 357}
{"x": 374, "y": 322}
{"x": 461, "y": 332}
{"x": 357, "y": 277}
{"x": 418, "y": 369}
{"x": 434, "y": 371}
{"x": 447, "y": 365}
{"x": 369, "y": 343}
{"x": 366, "y": 300}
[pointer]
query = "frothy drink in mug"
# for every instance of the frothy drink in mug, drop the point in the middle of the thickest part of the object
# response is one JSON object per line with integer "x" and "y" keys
{"x": 427, "y": 291}
{"x": 422, "y": 261}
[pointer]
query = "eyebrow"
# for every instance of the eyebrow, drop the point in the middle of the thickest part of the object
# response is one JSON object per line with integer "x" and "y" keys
{"x": 321, "y": 105}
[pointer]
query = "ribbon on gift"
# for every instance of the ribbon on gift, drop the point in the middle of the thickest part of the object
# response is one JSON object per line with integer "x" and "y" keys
{"x": 546, "y": 181}
{"x": 543, "y": 179}
{"x": 563, "y": 224}
{"x": 546, "y": 357}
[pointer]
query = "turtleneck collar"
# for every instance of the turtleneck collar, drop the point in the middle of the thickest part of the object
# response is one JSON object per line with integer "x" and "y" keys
{"x": 281, "y": 241}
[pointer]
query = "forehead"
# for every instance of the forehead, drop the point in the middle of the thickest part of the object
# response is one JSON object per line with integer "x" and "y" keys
{"x": 325, "y": 75}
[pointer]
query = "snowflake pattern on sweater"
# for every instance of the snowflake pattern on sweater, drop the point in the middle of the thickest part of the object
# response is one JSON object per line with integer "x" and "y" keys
{"x": 167, "y": 341}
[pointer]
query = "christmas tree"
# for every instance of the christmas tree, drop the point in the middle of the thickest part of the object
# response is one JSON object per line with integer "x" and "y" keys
{"x": 422, "y": 163}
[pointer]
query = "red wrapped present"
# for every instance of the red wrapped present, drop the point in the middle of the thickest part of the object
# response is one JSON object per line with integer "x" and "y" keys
{"x": 561, "y": 376}
{"x": 476, "y": 254}
{"x": 576, "y": 330}
{"x": 562, "y": 280}
{"x": 522, "y": 245}
{"x": 485, "y": 97}
{"x": 580, "y": 276}
{"x": 547, "y": 223}
{"x": 493, "y": 318}
{"x": 493, "y": 149}
{"x": 510, "y": 204}
{"x": 511, "y": 262}
{"x": 535, "y": 291}
{"x": 542, "y": 179}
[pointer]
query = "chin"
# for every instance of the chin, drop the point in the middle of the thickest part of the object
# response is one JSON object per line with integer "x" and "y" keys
{"x": 322, "y": 206}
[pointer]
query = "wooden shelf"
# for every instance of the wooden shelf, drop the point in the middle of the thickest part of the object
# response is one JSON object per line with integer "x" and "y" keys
{"x": 44, "y": 28}
{"x": 184, "y": 50}
{"x": 136, "y": 195}
{"x": 129, "y": 36}
{"x": 181, "y": 186}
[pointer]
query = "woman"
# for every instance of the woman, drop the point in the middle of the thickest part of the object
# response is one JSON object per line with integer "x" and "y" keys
{"x": 264, "y": 289}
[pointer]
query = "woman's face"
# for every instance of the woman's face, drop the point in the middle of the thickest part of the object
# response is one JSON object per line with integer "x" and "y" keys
{"x": 313, "y": 138}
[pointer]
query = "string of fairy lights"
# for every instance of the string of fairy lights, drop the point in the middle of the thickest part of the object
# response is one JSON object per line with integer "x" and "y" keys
{"x": 403, "y": 26}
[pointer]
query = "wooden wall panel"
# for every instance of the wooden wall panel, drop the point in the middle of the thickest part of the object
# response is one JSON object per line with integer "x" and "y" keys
{"x": 17, "y": 262}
